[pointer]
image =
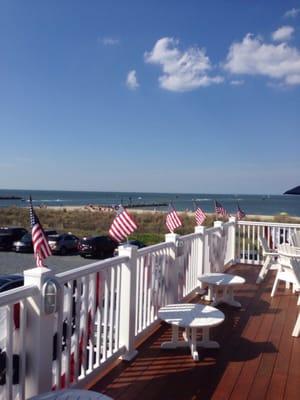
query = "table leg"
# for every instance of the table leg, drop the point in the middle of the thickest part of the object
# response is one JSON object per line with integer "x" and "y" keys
{"x": 174, "y": 333}
{"x": 206, "y": 342}
{"x": 210, "y": 293}
{"x": 230, "y": 299}
{"x": 296, "y": 330}
{"x": 193, "y": 345}
{"x": 186, "y": 334}
{"x": 174, "y": 342}
{"x": 226, "y": 297}
{"x": 190, "y": 340}
{"x": 218, "y": 298}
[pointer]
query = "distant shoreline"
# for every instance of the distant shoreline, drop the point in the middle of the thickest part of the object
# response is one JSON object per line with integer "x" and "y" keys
{"x": 95, "y": 209}
{"x": 265, "y": 205}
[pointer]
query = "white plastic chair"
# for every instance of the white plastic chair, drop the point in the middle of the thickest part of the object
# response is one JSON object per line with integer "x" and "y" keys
{"x": 295, "y": 239}
{"x": 289, "y": 272}
{"x": 270, "y": 257}
{"x": 296, "y": 331}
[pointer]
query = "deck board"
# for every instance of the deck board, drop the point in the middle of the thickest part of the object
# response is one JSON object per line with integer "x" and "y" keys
{"x": 258, "y": 358}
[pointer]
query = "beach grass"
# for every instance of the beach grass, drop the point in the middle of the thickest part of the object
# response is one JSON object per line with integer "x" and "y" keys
{"x": 82, "y": 222}
{"x": 151, "y": 225}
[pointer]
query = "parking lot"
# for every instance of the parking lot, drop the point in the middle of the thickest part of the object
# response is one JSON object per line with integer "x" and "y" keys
{"x": 12, "y": 263}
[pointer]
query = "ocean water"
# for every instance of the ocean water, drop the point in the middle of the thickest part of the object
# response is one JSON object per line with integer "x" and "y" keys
{"x": 251, "y": 204}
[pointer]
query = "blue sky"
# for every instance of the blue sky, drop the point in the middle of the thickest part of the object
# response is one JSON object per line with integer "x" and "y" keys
{"x": 170, "y": 96}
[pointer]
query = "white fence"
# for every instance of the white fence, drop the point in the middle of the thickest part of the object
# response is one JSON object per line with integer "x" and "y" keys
{"x": 104, "y": 309}
{"x": 155, "y": 267}
{"x": 13, "y": 318}
{"x": 87, "y": 325}
{"x": 190, "y": 251}
{"x": 248, "y": 248}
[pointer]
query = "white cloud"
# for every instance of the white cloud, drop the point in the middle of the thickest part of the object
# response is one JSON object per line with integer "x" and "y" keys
{"x": 254, "y": 57}
{"x": 131, "y": 80}
{"x": 237, "y": 82}
{"x": 283, "y": 34}
{"x": 182, "y": 71}
{"x": 292, "y": 13}
{"x": 110, "y": 41}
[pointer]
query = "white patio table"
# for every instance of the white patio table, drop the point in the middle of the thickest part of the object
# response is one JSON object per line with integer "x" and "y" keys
{"x": 191, "y": 317}
{"x": 221, "y": 282}
{"x": 71, "y": 394}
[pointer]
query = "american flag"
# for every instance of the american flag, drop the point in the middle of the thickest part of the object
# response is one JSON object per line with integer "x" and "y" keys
{"x": 220, "y": 210}
{"x": 173, "y": 221}
{"x": 122, "y": 226}
{"x": 199, "y": 216}
{"x": 240, "y": 214}
{"x": 40, "y": 243}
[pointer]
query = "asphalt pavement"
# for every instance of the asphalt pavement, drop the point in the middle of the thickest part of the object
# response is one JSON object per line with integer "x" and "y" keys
{"x": 12, "y": 263}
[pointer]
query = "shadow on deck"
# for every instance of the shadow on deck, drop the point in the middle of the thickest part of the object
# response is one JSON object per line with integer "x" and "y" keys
{"x": 258, "y": 358}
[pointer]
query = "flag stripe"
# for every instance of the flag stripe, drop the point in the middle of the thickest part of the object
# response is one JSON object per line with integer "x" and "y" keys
{"x": 39, "y": 240}
{"x": 128, "y": 219}
{"x": 240, "y": 213}
{"x": 220, "y": 210}
{"x": 122, "y": 225}
{"x": 172, "y": 221}
{"x": 199, "y": 216}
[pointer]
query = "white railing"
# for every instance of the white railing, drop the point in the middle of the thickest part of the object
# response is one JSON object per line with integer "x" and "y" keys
{"x": 155, "y": 265}
{"x": 104, "y": 309}
{"x": 230, "y": 242}
{"x": 13, "y": 317}
{"x": 189, "y": 263}
{"x": 248, "y": 248}
{"x": 219, "y": 247}
{"x": 88, "y": 321}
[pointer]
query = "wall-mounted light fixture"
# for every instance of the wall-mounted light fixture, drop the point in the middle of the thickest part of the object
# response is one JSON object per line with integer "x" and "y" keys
{"x": 50, "y": 296}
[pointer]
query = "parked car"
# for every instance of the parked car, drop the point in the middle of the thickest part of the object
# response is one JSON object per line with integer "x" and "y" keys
{"x": 131, "y": 242}
{"x": 97, "y": 246}
{"x": 25, "y": 245}
{"x": 50, "y": 232}
{"x": 63, "y": 244}
{"x": 8, "y": 235}
{"x": 8, "y": 282}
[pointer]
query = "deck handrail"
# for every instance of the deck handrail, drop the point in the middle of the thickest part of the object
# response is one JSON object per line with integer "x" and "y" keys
{"x": 248, "y": 247}
{"x": 190, "y": 236}
{"x": 15, "y": 295}
{"x": 90, "y": 268}
{"x": 269, "y": 223}
{"x": 155, "y": 247}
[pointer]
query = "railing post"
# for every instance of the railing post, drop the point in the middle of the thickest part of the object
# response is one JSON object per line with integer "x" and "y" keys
{"x": 201, "y": 257}
{"x": 128, "y": 301}
{"x": 173, "y": 274}
{"x": 39, "y": 336}
{"x": 232, "y": 233}
{"x": 218, "y": 224}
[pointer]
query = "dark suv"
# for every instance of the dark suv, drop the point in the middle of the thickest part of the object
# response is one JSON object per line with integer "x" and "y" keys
{"x": 97, "y": 246}
{"x": 63, "y": 244}
{"x": 8, "y": 235}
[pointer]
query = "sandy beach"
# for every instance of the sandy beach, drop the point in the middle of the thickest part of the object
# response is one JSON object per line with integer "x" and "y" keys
{"x": 96, "y": 209}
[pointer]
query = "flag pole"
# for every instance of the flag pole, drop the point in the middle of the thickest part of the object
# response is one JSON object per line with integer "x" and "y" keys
{"x": 215, "y": 212}
{"x": 194, "y": 205}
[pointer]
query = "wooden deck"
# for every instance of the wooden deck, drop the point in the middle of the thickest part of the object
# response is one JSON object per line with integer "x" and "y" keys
{"x": 258, "y": 358}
